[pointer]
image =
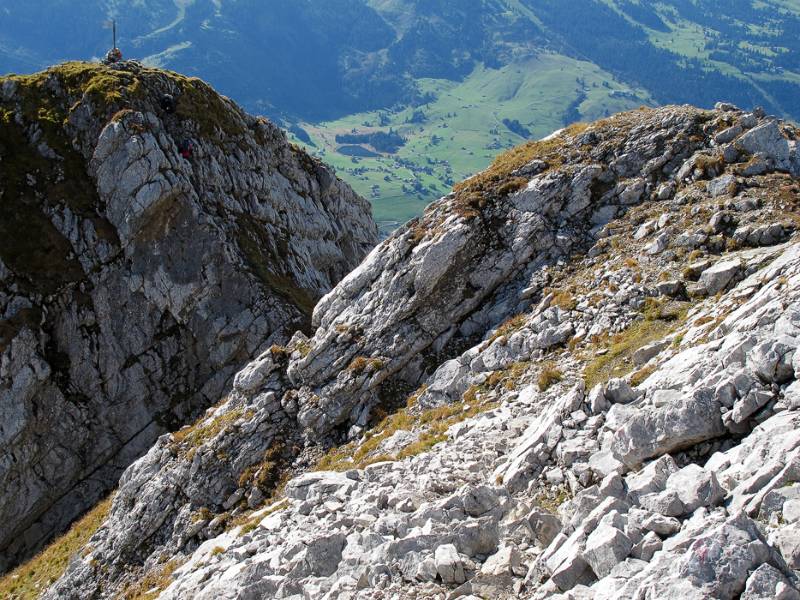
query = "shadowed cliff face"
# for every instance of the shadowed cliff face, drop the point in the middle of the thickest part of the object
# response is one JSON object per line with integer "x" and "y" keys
{"x": 134, "y": 281}
{"x": 601, "y": 330}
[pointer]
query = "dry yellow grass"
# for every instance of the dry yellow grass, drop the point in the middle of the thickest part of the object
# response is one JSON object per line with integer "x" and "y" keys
{"x": 265, "y": 474}
{"x": 152, "y": 583}
{"x": 510, "y": 326}
{"x": 640, "y": 376}
{"x": 249, "y": 521}
{"x": 659, "y": 320}
{"x": 190, "y": 438}
{"x": 549, "y": 376}
{"x": 564, "y": 299}
{"x": 497, "y": 181}
{"x": 431, "y": 426}
{"x": 29, "y": 580}
{"x": 362, "y": 363}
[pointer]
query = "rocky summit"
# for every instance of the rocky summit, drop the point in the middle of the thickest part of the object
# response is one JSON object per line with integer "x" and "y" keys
{"x": 148, "y": 249}
{"x": 575, "y": 377}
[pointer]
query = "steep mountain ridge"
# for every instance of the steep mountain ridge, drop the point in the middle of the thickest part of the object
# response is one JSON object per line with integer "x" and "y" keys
{"x": 601, "y": 332}
{"x": 145, "y": 255}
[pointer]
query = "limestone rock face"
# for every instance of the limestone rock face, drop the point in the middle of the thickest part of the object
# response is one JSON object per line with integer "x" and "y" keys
{"x": 672, "y": 427}
{"x": 503, "y": 401}
{"x": 134, "y": 282}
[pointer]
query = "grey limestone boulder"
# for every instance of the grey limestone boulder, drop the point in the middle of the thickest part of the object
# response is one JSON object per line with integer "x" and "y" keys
{"x": 480, "y": 500}
{"x": 661, "y": 525}
{"x": 646, "y": 548}
{"x": 506, "y": 561}
{"x": 772, "y": 360}
{"x": 717, "y": 278}
{"x": 449, "y": 565}
{"x": 722, "y": 185}
{"x": 766, "y": 140}
{"x": 787, "y": 540}
{"x": 696, "y": 487}
{"x": 605, "y": 548}
{"x": 721, "y": 559}
{"x": 768, "y": 583}
{"x": 651, "y": 433}
{"x": 645, "y": 353}
{"x": 618, "y": 391}
{"x": 545, "y": 526}
{"x": 321, "y": 557}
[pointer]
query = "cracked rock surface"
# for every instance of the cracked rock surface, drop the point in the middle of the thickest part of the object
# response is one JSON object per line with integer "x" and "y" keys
{"x": 135, "y": 282}
{"x": 593, "y": 418}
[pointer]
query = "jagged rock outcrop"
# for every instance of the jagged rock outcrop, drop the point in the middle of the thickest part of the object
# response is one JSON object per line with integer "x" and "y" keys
{"x": 605, "y": 407}
{"x": 136, "y": 276}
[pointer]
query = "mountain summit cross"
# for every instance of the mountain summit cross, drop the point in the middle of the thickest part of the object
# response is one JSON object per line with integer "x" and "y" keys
{"x": 114, "y": 55}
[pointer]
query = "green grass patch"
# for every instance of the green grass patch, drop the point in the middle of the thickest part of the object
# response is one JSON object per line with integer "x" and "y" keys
{"x": 463, "y": 129}
{"x": 104, "y": 86}
{"x": 111, "y": 89}
{"x": 550, "y": 499}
